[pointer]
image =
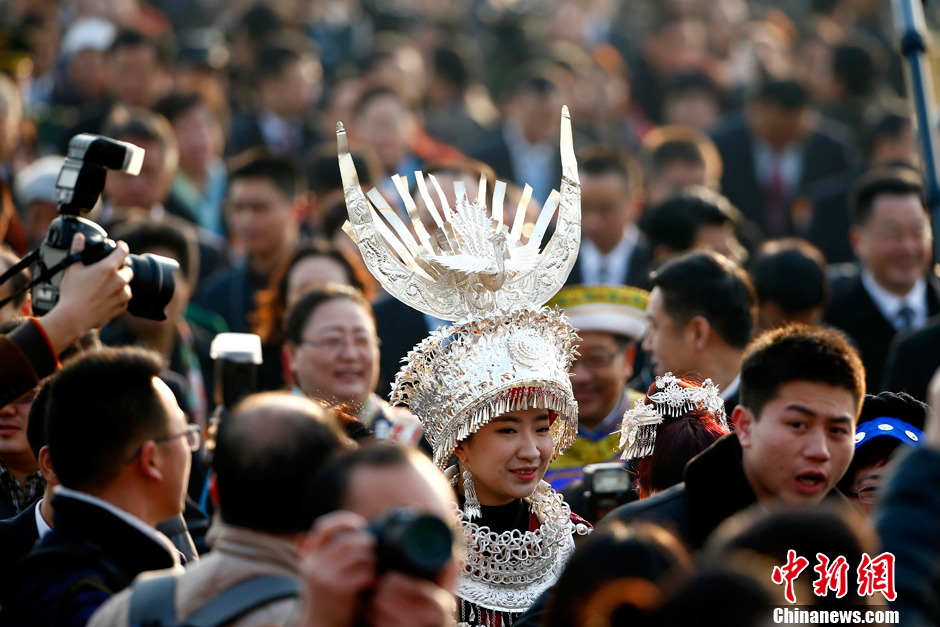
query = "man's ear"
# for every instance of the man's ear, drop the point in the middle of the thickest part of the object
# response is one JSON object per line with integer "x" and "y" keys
{"x": 45, "y": 466}
{"x": 743, "y": 419}
{"x": 698, "y": 333}
{"x": 146, "y": 462}
{"x": 855, "y": 240}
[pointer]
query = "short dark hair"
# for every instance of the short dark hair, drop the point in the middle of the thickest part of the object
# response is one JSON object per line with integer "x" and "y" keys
{"x": 692, "y": 82}
{"x": 132, "y": 38}
{"x": 377, "y": 93}
{"x": 323, "y": 175}
{"x": 18, "y": 281}
{"x": 601, "y": 160}
{"x": 144, "y": 235}
{"x": 271, "y": 445}
{"x": 792, "y": 274}
{"x": 449, "y": 64}
{"x": 854, "y": 67}
{"x": 101, "y": 405}
{"x": 710, "y": 285}
{"x": 788, "y": 95}
{"x": 885, "y": 124}
{"x": 296, "y": 319}
{"x": 36, "y": 427}
{"x": 331, "y": 487}
{"x": 129, "y": 124}
{"x": 282, "y": 171}
{"x": 175, "y": 105}
{"x": 899, "y": 181}
{"x": 799, "y": 352}
{"x": 274, "y": 59}
{"x": 675, "y": 221}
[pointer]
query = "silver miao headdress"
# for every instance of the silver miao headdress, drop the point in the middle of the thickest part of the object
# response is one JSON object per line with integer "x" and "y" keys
{"x": 504, "y": 351}
{"x": 638, "y": 428}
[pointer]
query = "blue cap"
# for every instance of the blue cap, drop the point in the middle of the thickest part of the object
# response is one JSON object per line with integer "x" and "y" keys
{"x": 904, "y": 432}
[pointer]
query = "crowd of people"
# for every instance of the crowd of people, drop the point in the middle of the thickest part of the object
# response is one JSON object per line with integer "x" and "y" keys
{"x": 720, "y": 202}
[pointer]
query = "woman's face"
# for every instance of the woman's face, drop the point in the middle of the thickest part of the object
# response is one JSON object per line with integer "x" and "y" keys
{"x": 508, "y": 456}
{"x": 338, "y": 357}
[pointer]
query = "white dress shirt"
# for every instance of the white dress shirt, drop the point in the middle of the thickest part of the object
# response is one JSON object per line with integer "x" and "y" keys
{"x": 41, "y": 525}
{"x": 612, "y": 268}
{"x": 890, "y": 304}
{"x": 790, "y": 161}
{"x": 532, "y": 164}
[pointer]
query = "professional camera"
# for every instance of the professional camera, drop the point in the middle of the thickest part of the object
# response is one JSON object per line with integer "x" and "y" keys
{"x": 80, "y": 182}
{"x": 415, "y": 544}
{"x": 606, "y": 487}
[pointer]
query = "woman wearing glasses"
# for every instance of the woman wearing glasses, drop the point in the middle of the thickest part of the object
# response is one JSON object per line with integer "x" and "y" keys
{"x": 333, "y": 352}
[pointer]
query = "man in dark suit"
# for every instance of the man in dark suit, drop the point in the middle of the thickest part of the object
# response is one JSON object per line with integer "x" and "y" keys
{"x": 913, "y": 358}
{"x": 894, "y": 292}
{"x": 267, "y": 196}
{"x": 524, "y": 148}
{"x": 288, "y": 79}
{"x": 701, "y": 315}
{"x": 613, "y": 250}
{"x": 773, "y": 150}
{"x": 890, "y": 142}
{"x": 400, "y": 328}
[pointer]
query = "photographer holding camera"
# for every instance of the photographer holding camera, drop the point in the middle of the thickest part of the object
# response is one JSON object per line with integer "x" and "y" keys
{"x": 357, "y": 574}
{"x": 90, "y": 296}
{"x": 142, "y": 284}
{"x": 273, "y": 445}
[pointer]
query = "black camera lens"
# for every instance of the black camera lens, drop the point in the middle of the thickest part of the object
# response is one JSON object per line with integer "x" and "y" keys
{"x": 415, "y": 544}
{"x": 152, "y": 286}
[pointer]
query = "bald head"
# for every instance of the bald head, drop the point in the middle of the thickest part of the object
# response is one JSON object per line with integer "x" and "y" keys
{"x": 267, "y": 455}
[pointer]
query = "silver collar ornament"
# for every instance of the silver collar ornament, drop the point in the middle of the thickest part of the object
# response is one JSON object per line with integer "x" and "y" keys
{"x": 638, "y": 427}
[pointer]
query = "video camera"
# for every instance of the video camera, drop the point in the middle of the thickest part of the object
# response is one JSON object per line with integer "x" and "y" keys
{"x": 80, "y": 182}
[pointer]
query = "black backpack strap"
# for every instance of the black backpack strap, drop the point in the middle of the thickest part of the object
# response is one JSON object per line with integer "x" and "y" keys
{"x": 153, "y": 601}
{"x": 241, "y": 599}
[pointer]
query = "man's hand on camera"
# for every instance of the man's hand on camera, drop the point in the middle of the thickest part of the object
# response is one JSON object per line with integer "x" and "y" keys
{"x": 89, "y": 296}
{"x": 403, "y": 601}
{"x": 338, "y": 565}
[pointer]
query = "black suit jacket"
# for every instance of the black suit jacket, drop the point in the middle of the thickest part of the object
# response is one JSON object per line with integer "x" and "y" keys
{"x": 399, "y": 328}
{"x": 494, "y": 152}
{"x": 828, "y": 152}
{"x": 913, "y": 358}
{"x": 18, "y": 536}
{"x": 246, "y": 134}
{"x": 854, "y": 311}
{"x": 638, "y": 274}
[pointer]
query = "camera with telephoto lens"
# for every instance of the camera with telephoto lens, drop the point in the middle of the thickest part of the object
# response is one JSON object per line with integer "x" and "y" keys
{"x": 80, "y": 182}
{"x": 408, "y": 542}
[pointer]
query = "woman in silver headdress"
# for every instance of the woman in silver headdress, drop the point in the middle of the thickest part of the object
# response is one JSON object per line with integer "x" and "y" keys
{"x": 492, "y": 389}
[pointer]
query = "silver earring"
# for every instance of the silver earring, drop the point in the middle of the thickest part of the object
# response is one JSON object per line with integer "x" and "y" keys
{"x": 471, "y": 504}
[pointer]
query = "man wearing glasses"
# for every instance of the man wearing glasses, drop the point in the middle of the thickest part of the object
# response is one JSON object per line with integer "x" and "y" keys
{"x": 122, "y": 450}
{"x": 610, "y": 320}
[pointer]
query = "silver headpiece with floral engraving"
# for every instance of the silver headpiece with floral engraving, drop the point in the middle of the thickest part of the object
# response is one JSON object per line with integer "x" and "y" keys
{"x": 638, "y": 428}
{"x": 504, "y": 352}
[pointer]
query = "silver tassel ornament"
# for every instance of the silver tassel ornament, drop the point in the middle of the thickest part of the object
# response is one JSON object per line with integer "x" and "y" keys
{"x": 471, "y": 504}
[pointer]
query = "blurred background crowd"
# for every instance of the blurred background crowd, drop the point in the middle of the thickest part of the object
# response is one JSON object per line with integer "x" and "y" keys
{"x": 734, "y": 126}
{"x": 774, "y": 141}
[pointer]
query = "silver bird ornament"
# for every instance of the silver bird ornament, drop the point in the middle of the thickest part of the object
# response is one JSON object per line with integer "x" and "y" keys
{"x": 475, "y": 264}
